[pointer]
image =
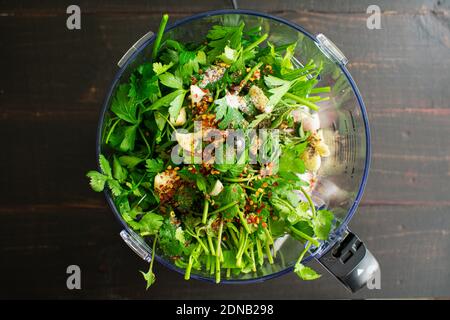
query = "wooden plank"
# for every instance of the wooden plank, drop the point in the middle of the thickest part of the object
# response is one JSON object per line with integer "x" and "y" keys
{"x": 411, "y": 159}
{"x": 51, "y": 91}
{"x": 396, "y": 67}
{"x": 411, "y": 244}
{"x": 120, "y": 6}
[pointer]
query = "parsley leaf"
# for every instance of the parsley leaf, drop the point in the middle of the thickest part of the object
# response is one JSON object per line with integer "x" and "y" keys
{"x": 227, "y": 114}
{"x": 149, "y": 278}
{"x": 144, "y": 84}
{"x": 229, "y": 55}
{"x": 160, "y": 68}
{"x": 129, "y": 138}
{"x": 171, "y": 81}
{"x": 120, "y": 174}
{"x": 286, "y": 62}
{"x": 122, "y": 106}
{"x": 166, "y": 100}
{"x": 222, "y": 36}
{"x": 176, "y": 105}
{"x": 130, "y": 161}
{"x": 278, "y": 88}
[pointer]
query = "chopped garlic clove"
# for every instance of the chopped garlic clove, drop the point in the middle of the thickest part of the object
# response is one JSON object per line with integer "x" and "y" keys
{"x": 189, "y": 141}
{"x": 311, "y": 122}
{"x": 259, "y": 99}
{"x": 218, "y": 187}
{"x": 235, "y": 101}
{"x": 161, "y": 180}
{"x": 322, "y": 149}
{"x": 197, "y": 94}
{"x": 312, "y": 160}
{"x": 181, "y": 119}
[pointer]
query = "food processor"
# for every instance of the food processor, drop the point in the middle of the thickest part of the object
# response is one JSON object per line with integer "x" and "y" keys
{"x": 341, "y": 179}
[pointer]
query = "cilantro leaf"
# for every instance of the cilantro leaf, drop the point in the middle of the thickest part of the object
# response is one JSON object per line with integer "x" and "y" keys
{"x": 322, "y": 224}
{"x": 122, "y": 106}
{"x": 149, "y": 277}
{"x": 154, "y": 165}
{"x": 97, "y": 180}
{"x": 290, "y": 164}
{"x": 306, "y": 273}
{"x": 115, "y": 187}
{"x": 104, "y": 165}
{"x": 150, "y": 223}
{"x": 168, "y": 239}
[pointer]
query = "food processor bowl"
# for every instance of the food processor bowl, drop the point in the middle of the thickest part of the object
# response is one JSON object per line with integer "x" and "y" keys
{"x": 341, "y": 179}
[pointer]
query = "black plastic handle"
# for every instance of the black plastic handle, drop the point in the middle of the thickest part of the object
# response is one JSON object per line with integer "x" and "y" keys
{"x": 350, "y": 262}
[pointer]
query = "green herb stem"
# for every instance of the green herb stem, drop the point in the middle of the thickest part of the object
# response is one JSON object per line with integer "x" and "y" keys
{"x": 299, "y": 260}
{"x": 252, "y": 256}
{"x": 257, "y": 42}
{"x": 219, "y": 251}
{"x": 259, "y": 252}
{"x": 243, "y": 221}
{"x": 238, "y": 179}
{"x": 308, "y": 197}
{"x": 304, "y": 236}
{"x": 231, "y": 204}
{"x": 233, "y": 237}
{"x": 205, "y": 211}
{"x": 211, "y": 246}
{"x": 302, "y": 101}
{"x": 111, "y": 130}
{"x": 162, "y": 27}
{"x": 249, "y": 75}
{"x": 149, "y": 151}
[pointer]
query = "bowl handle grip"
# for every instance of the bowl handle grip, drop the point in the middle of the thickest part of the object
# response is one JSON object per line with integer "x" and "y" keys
{"x": 352, "y": 263}
{"x": 127, "y": 55}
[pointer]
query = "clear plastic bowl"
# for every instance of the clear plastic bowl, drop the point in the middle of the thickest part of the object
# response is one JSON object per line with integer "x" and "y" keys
{"x": 342, "y": 176}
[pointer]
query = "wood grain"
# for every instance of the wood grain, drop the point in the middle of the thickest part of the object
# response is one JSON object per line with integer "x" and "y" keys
{"x": 52, "y": 87}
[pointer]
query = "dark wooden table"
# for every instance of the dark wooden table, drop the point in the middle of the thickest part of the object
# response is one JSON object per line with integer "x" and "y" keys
{"x": 52, "y": 85}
